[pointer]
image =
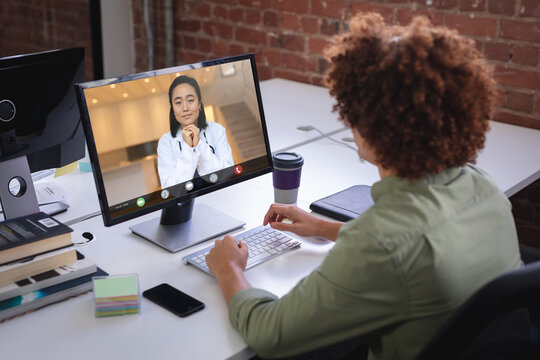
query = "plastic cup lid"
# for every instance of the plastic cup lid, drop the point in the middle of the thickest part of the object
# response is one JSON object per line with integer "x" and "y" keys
{"x": 287, "y": 160}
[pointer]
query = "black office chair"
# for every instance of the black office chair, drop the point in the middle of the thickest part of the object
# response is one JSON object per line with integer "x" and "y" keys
{"x": 494, "y": 323}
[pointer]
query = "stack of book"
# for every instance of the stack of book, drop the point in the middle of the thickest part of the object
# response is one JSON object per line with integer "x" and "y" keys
{"x": 39, "y": 264}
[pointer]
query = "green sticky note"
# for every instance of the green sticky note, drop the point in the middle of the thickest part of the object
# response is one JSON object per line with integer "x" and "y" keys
{"x": 115, "y": 286}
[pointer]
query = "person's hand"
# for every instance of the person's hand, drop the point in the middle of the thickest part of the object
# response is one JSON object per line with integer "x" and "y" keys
{"x": 195, "y": 134}
{"x": 187, "y": 135}
{"x": 291, "y": 218}
{"x": 227, "y": 255}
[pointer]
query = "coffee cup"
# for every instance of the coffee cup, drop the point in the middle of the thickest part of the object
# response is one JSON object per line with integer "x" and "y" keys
{"x": 286, "y": 176}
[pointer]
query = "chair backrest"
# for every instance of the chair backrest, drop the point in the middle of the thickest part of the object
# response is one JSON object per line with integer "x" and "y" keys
{"x": 492, "y": 313}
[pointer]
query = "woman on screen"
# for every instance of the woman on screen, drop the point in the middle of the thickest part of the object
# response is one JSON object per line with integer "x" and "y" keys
{"x": 193, "y": 146}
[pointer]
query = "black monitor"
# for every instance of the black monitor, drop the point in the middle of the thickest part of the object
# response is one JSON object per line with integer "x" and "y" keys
{"x": 159, "y": 139}
{"x": 40, "y": 124}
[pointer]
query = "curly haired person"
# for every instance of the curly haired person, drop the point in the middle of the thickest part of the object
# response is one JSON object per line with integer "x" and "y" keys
{"x": 418, "y": 99}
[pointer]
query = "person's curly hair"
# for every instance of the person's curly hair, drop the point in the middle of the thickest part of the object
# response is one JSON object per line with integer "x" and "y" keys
{"x": 420, "y": 96}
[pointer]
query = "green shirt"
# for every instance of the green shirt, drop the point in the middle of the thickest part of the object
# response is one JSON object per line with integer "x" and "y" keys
{"x": 395, "y": 273}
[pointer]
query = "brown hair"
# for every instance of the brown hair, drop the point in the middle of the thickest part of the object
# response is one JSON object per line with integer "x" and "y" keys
{"x": 420, "y": 96}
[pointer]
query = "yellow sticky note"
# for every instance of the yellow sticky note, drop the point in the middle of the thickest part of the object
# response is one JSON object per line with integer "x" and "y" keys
{"x": 69, "y": 168}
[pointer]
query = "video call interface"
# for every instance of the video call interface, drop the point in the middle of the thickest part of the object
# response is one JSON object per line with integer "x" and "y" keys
{"x": 153, "y": 148}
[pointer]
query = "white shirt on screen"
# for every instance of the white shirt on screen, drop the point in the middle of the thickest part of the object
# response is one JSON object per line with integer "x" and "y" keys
{"x": 177, "y": 163}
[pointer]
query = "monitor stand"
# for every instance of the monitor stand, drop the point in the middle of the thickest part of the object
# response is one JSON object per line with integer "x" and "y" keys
{"x": 17, "y": 193}
{"x": 183, "y": 225}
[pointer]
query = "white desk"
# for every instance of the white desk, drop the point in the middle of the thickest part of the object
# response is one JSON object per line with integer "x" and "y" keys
{"x": 511, "y": 156}
{"x": 69, "y": 329}
{"x": 288, "y": 104}
{"x": 330, "y": 167}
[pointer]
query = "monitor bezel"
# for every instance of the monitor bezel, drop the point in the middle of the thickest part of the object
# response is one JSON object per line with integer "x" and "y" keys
{"x": 55, "y": 152}
{"x": 92, "y": 149}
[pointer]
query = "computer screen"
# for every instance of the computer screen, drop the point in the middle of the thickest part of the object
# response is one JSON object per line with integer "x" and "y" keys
{"x": 159, "y": 139}
{"x": 40, "y": 121}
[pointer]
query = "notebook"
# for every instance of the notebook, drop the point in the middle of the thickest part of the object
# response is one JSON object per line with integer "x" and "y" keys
{"x": 346, "y": 204}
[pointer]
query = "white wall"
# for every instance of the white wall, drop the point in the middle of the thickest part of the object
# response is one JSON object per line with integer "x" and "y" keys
{"x": 129, "y": 123}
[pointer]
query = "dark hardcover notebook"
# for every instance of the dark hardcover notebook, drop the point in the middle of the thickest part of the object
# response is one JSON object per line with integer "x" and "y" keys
{"x": 346, "y": 204}
{"x": 30, "y": 228}
{"x": 31, "y": 235}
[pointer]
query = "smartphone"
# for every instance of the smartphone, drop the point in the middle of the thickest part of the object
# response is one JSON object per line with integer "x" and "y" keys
{"x": 173, "y": 300}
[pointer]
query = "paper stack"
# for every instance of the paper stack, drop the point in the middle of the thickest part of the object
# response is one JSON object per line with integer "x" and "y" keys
{"x": 116, "y": 295}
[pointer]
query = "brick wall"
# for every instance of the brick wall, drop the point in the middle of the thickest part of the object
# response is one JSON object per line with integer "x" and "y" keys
{"x": 39, "y": 25}
{"x": 287, "y": 37}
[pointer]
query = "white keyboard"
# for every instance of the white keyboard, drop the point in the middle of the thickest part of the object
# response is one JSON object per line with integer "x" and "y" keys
{"x": 264, "y": 243}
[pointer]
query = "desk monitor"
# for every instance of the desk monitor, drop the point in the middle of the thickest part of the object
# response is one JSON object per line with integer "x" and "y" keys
{"x": 159, "y": 139}
{"x": 40, "y": 124}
